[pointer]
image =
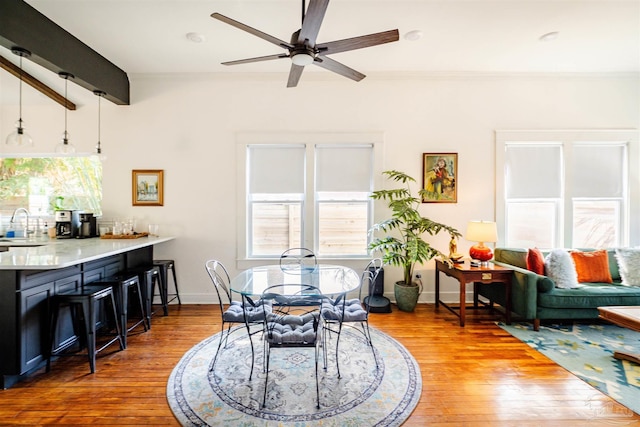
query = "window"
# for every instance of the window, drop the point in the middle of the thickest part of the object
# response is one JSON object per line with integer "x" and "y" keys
{"x": 564, "y": 188}
{"x": 343, "y": 183}
{"x": 309, "y": 191}
{"x": 276, "y": 197}
{"x": 41, "y": 184}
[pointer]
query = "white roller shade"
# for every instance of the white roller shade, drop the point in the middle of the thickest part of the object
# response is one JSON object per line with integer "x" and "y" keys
{"x": 344, "y": 168}
{"x": 276, "y": 168}
{"x": 598, "y": 170}
{"x": 533, "y": 171}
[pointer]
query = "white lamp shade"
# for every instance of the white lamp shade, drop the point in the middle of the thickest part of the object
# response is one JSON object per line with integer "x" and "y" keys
{"x": 482, "y": 231}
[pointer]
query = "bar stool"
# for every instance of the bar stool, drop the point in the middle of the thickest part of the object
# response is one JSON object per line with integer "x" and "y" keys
{"x": 87, "y": 301}
{"x": 149, "y": 277}
{"x": 165, "y": 265}
{"x": 123, "y": 285}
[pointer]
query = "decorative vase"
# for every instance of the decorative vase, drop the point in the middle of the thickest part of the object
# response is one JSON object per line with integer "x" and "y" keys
{"x": 406, "y": 296}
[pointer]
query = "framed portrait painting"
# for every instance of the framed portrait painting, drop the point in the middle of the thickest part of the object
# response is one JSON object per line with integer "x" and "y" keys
{"x": 439, "y": 175}
{"x": 148, "y": 187}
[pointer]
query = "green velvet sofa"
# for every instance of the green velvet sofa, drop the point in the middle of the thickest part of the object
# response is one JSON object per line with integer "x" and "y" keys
{"x": 535, "y": 297}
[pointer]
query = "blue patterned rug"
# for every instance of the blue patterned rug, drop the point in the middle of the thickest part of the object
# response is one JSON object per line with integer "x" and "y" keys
{"x": 587, "y": 352}
{"x": 363, "y": 396}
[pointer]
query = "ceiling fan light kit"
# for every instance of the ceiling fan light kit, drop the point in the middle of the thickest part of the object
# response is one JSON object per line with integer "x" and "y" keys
{"x": 303, "y": 50}
{"x": 302, "y": 59}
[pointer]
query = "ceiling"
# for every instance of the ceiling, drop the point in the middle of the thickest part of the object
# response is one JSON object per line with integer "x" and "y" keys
{"x": 458, "y": 36}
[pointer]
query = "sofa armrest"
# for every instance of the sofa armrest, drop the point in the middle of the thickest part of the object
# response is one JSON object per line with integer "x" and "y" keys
{"x": 524, "y": 290}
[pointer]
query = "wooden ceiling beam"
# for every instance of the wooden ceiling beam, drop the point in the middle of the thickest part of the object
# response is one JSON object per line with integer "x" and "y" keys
{"x": 13, "y": 69}
{"x": 57, "y": 50}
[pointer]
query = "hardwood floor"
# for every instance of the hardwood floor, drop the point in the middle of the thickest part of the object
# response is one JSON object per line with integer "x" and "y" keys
{"x": 474, "y": 376}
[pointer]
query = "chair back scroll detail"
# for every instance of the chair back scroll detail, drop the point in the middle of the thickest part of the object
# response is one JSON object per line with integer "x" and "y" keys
{"x": 297, "y": 259}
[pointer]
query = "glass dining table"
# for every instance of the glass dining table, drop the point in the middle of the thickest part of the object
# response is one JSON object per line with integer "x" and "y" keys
{"x": 330, "y": 280}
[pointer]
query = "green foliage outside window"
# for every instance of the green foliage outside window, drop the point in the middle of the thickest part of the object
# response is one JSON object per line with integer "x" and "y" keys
{"x": 43, "y": 184}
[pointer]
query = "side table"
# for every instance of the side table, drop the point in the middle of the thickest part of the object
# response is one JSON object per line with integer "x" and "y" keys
{"x": 627, "y": 317}
{"x": 466, "y": 274}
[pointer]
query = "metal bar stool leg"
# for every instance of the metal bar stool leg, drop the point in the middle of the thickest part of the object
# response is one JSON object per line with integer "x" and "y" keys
{"x": 172, "y": 267}
{"x": 164, "y": 266}
{"x": 123, "y": 285}
{"x": 162, "y": 289}
{"x": 87, "y": 299}
{"x": 89, "y": 314}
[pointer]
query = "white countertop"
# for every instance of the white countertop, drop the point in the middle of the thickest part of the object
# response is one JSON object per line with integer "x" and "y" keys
{"x": 60, "y": 253}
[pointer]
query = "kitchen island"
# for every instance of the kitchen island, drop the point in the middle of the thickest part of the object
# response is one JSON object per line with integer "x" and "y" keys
{"x": 32, "y": 271}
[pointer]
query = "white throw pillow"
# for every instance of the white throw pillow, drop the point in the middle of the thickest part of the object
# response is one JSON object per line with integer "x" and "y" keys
{"x": 629, "y": 265}
{"x": 560, "y": 268}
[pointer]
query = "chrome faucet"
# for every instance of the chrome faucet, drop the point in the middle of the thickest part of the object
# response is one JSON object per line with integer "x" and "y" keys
{"x": 26, "y": 214}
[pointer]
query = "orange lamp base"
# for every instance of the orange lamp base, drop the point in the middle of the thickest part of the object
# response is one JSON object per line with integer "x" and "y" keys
{"x": 480, "y": 252}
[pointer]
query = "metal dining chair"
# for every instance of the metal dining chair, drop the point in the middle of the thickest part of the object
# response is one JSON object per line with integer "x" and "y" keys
{"x": 297, "y": 259}
{"x": 292, "y": 321}
{"x": 236, "y": 313}
{"x": 341, "y": 311}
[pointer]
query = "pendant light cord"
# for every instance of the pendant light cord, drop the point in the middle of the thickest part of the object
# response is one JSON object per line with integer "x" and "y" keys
{"x": 99, "y": 114}
{"x": 20, "y": 99}
{"x": 65, "y": 140}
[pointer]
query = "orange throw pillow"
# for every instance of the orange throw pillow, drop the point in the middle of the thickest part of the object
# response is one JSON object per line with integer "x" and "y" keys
{"x": 535, "y": 261}
{"x": 592, "y": 266}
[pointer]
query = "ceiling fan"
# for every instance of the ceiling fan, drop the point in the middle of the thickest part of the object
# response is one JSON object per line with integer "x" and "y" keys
{"x": 303, "y": 50}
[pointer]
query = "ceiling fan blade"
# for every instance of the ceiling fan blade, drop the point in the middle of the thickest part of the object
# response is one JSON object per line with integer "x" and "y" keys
{"x": 252, "y": 30}
{"x": 294, "y": 75}
{"x": 358, "y": 42}
{"x": 256, "y": 59}
{"x": 312, "y": 21}
{"x": 331, "y": 65}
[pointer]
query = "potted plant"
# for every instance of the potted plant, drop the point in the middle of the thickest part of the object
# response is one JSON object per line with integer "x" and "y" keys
{"x": 406, "y": 247}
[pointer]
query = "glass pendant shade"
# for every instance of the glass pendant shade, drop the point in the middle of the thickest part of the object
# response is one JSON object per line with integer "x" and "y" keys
{"x": 19, "y": 137}
{"x": 64, "y": 146}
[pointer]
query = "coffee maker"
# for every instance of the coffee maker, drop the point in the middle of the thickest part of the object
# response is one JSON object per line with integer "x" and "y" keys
{"x": 67, "y": 224}
{"x": 87, "y": 226}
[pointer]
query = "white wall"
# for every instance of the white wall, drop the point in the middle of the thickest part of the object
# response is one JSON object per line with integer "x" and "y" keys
{"x": 186, "y": 125}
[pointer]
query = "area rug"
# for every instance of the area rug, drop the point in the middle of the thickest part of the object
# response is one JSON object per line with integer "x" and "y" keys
{"x": 586, "y": 350}
{"x": 364, "y": 396}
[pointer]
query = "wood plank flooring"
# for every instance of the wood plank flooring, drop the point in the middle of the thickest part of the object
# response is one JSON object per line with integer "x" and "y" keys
{"x": 473, "y": 376}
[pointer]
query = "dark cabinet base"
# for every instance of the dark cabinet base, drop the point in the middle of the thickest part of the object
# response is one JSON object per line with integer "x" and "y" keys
{"x": 25, "y": 309}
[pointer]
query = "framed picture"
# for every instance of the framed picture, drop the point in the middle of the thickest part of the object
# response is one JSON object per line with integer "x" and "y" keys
{"x": 148, "y": 188}
{"x": 439, "y": 175}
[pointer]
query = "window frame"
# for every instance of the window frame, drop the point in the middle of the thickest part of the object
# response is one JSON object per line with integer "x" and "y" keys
{"x": 309, "y": 220}
{"x": 49, "y": 215}
{"x": 629, "y": 230}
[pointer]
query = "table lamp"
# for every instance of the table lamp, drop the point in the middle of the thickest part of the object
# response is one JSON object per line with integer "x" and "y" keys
{"x": 481, "y": 232}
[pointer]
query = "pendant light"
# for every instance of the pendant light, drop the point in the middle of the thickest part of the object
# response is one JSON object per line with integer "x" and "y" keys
{"x": 99, "y": 153}
{"x": 19, "y": 136}
{"x": 64, "y": 146}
